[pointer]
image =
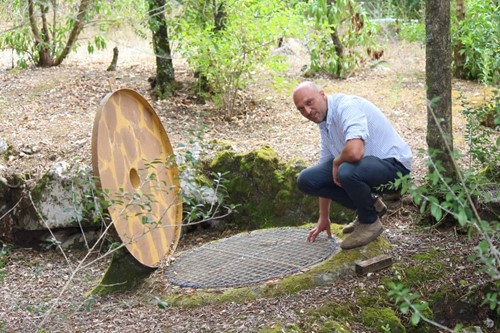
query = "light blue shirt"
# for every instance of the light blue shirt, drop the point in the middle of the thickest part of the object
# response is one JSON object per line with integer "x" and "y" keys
{"x": 352, "y": 117}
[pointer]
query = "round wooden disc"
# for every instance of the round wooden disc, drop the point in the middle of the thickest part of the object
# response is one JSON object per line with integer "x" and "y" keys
{"x": 134, "y": 162}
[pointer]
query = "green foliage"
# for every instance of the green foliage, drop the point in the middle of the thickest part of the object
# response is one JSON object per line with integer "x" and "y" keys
{"x": 355, "y": 31}
{"x": 225, "y": 41}
{"x": 204, "y": 194}
{"x": 378, "y": 318}
{"x": 90, "y": 204}
{"x": 56, "y": 21}
{"x": 403, "y": 10}
{"x": 408, "y": 302}
{"x": 443, "y": 197}
{"x": 478, "y": 35}
{"x": 483, "y": 124}
{"x": 412, "y": 31}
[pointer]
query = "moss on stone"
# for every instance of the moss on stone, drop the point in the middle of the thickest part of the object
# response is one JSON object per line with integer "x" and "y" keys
{"x": 279, "y": 328}
{"x": 238, "y": 295}
{"x": 416, "y": 276}
{"x": 191, "y": 301}
{"x": 265, "y": 190}
{"x": 40, "y": 188}
{"x": 219, "y": 145}
{"x": 289, "y": 285}
{"x": 339, "y": 264}
{"x": 10, "y": 151}
{"x": 330, "y": 317}
{"x": 202, "y": 298}
{"x": 332, "y": 326}
{"x": 332, "y": 310}
{"x": 382, "y": 319}
{"x": 124, "y": 273}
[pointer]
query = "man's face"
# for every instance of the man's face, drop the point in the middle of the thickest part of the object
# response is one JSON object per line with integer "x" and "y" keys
{"x": 311, "y": 103}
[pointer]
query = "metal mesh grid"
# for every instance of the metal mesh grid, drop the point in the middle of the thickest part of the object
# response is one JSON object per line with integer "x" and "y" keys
{"x": 249, "y": 258}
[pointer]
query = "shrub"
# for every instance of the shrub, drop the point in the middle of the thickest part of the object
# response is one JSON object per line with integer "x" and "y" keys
{"x": 478, "y": 35}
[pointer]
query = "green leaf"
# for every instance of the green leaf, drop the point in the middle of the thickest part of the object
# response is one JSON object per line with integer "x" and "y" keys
{"x": 415, "y": 318}
{"x": 462, "y": 217}
{"x": 436, "y": 211}
{"x": 404, "y": 307}
{"x": 162, "y": 305}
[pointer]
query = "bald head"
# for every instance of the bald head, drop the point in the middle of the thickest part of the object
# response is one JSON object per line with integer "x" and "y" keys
{"x": 311, "y": 101}
{"x": 306, "y": 85}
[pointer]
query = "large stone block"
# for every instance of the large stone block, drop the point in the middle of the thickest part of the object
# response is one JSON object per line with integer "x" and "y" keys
{"x": 58, "y": 200}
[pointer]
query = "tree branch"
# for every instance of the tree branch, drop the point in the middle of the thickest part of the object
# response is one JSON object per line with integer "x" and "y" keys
{"x": 77, "y": 28}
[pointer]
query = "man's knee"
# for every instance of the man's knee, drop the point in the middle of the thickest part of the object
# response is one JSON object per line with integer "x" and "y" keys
{"x": 346, "y": 172}
{"x": 303, "y": 182}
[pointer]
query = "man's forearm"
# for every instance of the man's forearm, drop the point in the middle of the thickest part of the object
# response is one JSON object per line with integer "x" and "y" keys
{"x": 324, "y": 207}
{"x": 353, "y": 151}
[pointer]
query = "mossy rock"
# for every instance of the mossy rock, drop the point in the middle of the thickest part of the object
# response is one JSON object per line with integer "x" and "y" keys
{"x": 332, "y": 326}
{"x": 7, "y": 150}
{"x": 279, "y": 328}
{"x": 124, "y": 273}
{"x": 265, "y": 190}
{"x": 62, "y": 197}
{"x": 340, "y": 264}
{"x": 329, "y": 317}
{"x": 381, "y": 319}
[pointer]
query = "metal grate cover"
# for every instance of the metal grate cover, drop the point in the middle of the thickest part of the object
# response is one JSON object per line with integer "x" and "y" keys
{"x": 249, "y": 258}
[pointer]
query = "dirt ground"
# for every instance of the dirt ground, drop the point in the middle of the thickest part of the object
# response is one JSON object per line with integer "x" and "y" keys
{"x": 47, "y": 116}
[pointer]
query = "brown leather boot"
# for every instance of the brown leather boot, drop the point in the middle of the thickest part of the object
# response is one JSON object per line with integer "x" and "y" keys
{"x": 362, "y": 235}
{"x": 381, "y": 209}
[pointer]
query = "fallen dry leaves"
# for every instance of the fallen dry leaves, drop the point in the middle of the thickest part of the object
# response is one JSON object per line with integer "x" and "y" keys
{"x": 47, "y": 116}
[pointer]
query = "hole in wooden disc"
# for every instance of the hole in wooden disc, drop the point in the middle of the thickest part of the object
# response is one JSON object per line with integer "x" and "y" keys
{"x": 134, "y": 178}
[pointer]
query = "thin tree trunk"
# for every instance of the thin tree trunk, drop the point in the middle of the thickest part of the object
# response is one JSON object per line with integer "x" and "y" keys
{"x": 45, "y": 57}
{"x": 219, "y": 16}
{"x": 77, "y": 28}
{"x": 45, "y": 27}
{"x": 165, "y": 77}
{"x": 457, "y": 57}
{"x": 339, "y": 48}
{"x": 438, "y": 80}
{"x": 112, "y": 65}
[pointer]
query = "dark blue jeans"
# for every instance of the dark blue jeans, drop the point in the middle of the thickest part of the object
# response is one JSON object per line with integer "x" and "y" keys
{"x": 359, "y": 180}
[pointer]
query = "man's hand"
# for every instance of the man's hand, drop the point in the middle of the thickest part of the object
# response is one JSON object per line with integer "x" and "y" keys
{"x": 353, "y": 151}
{"x": 322, "y": 225}
{"x": 335, "y": 174}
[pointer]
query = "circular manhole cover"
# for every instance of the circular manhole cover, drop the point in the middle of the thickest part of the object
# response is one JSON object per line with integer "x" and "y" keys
{"x": 249, "y": 258}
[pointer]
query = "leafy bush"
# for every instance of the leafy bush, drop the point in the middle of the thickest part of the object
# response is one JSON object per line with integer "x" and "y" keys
{"x": 482, "y": 134}
{"x": 225, "y": 42}
{"x": 478, "y": 35}
{"x": 443, "y": 197}
{"x": 340, "y": 25}
{"x": 412, "y": 31}
{"x": 203, "y": 195}
{"x": 403, "y": 10}
{"x": 56, "y": 22}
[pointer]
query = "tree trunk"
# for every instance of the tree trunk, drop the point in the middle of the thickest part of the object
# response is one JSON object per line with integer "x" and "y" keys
{"x": 112, "y": 65}
{"x": 45, "y": 58}
{"x": 457, "y": 57}
{"x": 339, "y": 48}
{"x": 77, "y": 28}
{"x": 438, "y": 80}
{"x": 165, "y": 77}
{"x": 43, "y": 38}
{"x": 219, "y": 16}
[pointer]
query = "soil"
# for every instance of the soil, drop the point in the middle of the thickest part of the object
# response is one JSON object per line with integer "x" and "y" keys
{"x": 47, "y": 115}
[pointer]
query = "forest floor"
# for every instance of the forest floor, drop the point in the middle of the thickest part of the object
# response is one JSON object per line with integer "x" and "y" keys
{"x": 47, "y": 116}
